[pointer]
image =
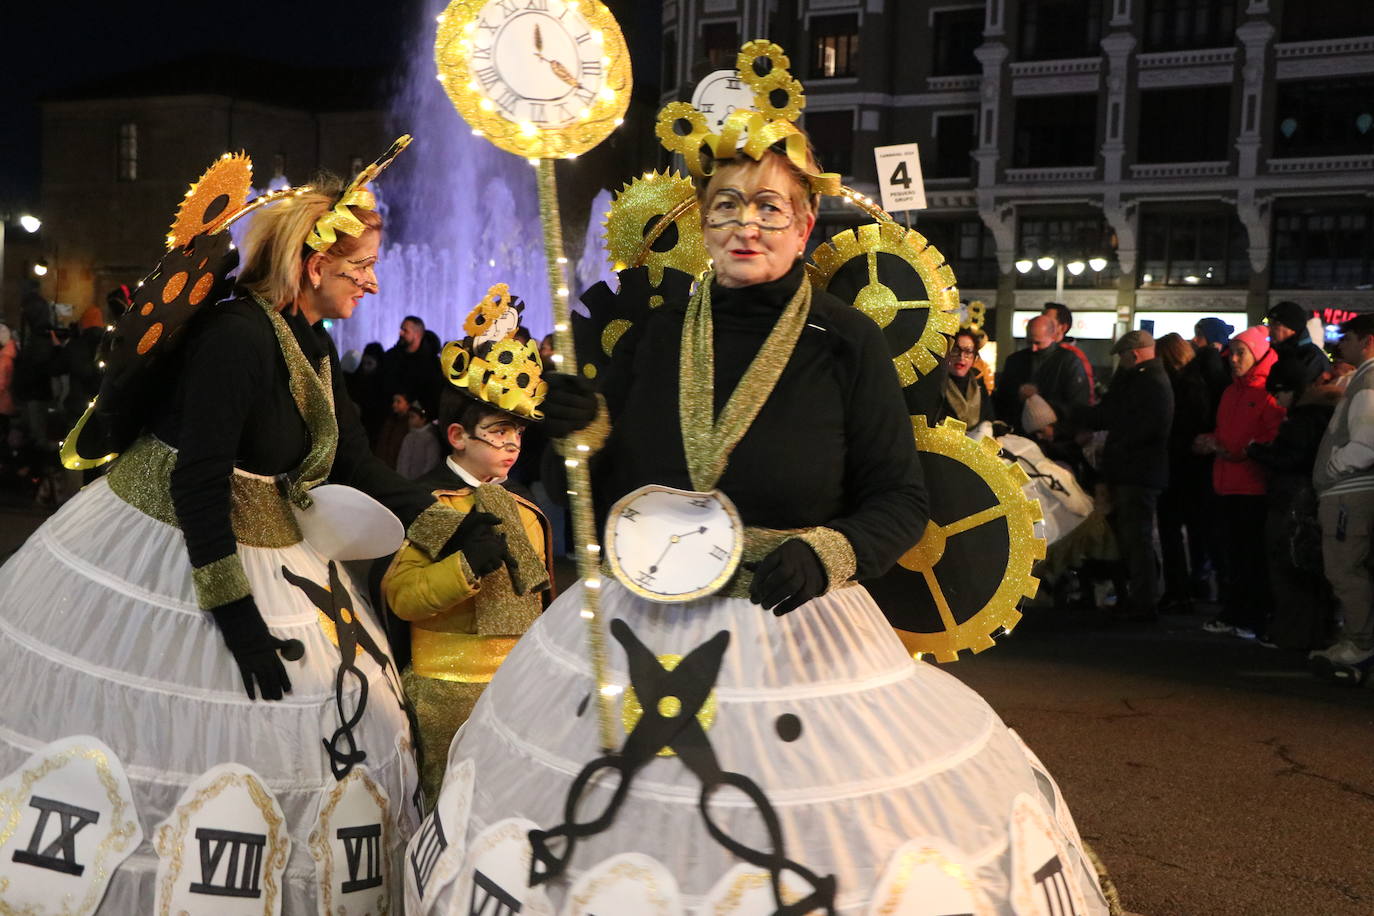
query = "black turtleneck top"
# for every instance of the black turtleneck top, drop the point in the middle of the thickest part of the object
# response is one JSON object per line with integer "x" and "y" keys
{"x": 832, "y": 444}
{"x": 231, "y": 406}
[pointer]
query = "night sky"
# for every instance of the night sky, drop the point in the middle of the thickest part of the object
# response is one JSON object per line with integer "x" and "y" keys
{"x": 52, "y": 47}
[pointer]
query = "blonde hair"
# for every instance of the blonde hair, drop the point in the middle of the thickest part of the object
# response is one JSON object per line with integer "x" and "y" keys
{"x": 801, "y": 195}
{"x": 274, "y": 250}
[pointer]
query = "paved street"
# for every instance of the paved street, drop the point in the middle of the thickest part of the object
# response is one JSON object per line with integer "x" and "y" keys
{"x": 1213, "y": 776}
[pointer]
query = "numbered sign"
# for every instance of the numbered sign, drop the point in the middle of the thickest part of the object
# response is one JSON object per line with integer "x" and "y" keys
{"x": 899, "y": 177}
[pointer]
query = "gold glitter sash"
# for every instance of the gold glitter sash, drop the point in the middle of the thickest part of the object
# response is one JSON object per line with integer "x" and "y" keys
{"x": 509, "y": 601}
{"x": 313, "y": 393}
{"x": 707, "y": 442}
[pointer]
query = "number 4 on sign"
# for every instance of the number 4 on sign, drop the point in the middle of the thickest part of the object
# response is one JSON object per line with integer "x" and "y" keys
{"x": 899, "y": 177}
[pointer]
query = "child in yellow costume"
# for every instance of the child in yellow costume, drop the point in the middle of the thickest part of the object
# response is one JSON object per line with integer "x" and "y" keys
{"x": 467, "y": 610}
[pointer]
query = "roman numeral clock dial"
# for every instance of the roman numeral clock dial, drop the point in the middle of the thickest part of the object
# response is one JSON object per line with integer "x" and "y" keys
{"x": 540, "y": 78}
{"x": 671, "y": 545}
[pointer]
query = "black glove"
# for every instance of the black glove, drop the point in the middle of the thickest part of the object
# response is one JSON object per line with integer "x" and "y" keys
{"x": 481, "y": 544}
{"x": 569, "y": 405}
{"x": 788, "y": 577}
{"x": 255, "y": 648}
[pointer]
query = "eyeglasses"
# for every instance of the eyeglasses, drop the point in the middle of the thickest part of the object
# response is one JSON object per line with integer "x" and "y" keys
{"x": 963, "y": 351}
{"x": 770, "y": 210}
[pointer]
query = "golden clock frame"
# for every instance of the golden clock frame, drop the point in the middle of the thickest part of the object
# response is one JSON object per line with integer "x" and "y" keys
{"x": 724, "y": 576}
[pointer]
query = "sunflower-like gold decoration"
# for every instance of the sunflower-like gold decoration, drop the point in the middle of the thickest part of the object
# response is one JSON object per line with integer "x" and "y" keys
{"x": 837, "y": 264}
{"x": 654, "y": 221}
{"x": 212, "y": 199}
{"x": 493, "y": 304}
{"x": 960, "y": 586}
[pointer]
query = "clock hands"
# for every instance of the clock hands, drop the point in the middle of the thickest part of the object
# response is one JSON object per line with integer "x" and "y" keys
{"x": 671, "y": 541}
{"x": 558, "y": 69}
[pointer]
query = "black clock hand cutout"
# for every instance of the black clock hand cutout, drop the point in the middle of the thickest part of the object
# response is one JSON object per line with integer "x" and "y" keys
{"x": 671, "y": 541}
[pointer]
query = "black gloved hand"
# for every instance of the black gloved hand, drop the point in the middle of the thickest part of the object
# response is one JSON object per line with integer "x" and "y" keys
{"x": 480, "y": 543}
{"x": 569, "y": 405}
{"x": 788, "y": 577}
{"x": 255, "y": 648}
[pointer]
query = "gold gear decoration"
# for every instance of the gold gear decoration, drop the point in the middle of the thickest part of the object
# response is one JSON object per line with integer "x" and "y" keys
{"x": 230, "y": 177}
{"x": 640, "y": 211}
{"x": 495, "y": 302}
{"x": 790, "y": 110}
{"x": 1004, "y": 480}
{"x": 977, "y": 314}
{"x": 880, "y": 303}
{"x": 760, "y": 49}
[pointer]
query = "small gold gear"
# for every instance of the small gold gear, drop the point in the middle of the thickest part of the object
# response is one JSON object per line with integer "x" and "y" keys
{"x": 756, "y": 50}
{"x": 977, "y": 314}
{"x": 638, "y": 210}
{"x": 963, "y": 626}
{"x": 202, "y": 210}
{"x": 880, "y": 303}
{"x": 495, "y": 302}
{"x": 790, "y": 109}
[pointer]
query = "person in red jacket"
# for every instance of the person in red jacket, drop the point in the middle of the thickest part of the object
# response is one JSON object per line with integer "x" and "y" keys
{"x": 1247, "y": 414}
{"x": 1063, "y": 322}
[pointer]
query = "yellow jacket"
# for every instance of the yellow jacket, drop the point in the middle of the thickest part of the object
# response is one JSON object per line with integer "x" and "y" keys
{"x": 461, "y": 627}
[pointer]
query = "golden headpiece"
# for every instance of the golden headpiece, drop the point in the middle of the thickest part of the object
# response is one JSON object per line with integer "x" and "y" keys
{"x": 491, "y": 365}
{"x": 778, "y": 101}
{"x": 340, "y": 218}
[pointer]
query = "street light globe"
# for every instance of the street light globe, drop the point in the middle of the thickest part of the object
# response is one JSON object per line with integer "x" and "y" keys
{"x": 40, "y": 269}
{"x": 1097, "y": 264}
{"x": 30, "y": 223}
{"x": 1076, "y": 267}
{"x": 1045, "y": 263}
{"x": 1024, "y": 265}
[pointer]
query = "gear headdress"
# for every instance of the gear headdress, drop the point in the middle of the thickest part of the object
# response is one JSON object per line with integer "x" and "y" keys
{"x": 778, "y": 101}
{"x": 490, "y": 365}
{"x": 340, "y": 218}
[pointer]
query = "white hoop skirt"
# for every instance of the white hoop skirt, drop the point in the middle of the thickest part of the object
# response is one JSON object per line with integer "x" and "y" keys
{"x": 100, "y": 635}
{"x": 889, "y": 750}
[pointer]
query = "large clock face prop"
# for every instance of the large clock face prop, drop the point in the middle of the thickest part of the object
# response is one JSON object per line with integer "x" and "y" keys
{"x": 539, "y": 78}
{"x": 671, "y": 545}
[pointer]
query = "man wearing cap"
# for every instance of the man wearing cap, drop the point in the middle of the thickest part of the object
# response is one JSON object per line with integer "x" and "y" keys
{"x": 1344, "y": 480}
{"x": 1136, "y": 412}
{"x": 1044, "y": 368}
{"x": 1290, "y": 339}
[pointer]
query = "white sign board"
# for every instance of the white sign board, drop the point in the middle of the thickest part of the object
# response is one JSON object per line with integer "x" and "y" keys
{"x": 1086, "y": 325}
{"x": 899, "y": 177}
{"x": 1161, "y": 323}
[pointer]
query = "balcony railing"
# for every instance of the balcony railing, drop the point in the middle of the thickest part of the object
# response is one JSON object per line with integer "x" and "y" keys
{"x": 1180, "y": 169}
{"x": 1059, "y": 174}
{"x": 1313, "y": 164}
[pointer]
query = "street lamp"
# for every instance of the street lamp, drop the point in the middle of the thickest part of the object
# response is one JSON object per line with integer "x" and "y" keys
{"x": 1024, "y": 265}
{"x": 40, "y": 268}
{"x": 1075, "y": 267}
{"x": 30, "y": 223}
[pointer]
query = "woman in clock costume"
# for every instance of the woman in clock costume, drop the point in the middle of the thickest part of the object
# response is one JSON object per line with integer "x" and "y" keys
{"x": 173, "y": 608}
{"x": 777, "y": 750}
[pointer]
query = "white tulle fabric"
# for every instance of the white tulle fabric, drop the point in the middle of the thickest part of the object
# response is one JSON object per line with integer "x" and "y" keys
{"x": 100, "y": 634}
{"x": 890, "y": 749}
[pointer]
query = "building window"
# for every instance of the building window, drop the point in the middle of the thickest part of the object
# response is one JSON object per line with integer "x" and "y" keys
{"x": 1056, "y": 130}
{"x": 669, "y": 60}
{"x": 956, "y": 33}
{"x": 720, "y": 43}
{"x": 1060, "y": 28}
{"x": 1316, "y": 20}
{"x": 968, "y": 247}
{"x": 1325, "y": 117}
{"x": 1193, "y": 248}
{"x": 955, "y": 137}
{"x": 1185, "y": 125}
{"x": 1323, "y": 248}
{"x": 834, "y": 46}
{"x": 832, "y": 133}
{"x": 127, "y": 162}
{"x": 1176, "y": 25}
{"x": 1067, "y": 238}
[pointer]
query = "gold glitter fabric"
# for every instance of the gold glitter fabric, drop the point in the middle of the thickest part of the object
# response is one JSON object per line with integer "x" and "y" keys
{"x": 707, "y": 441}
{"x": 220, "y": 582}
{"x": 458, "y": 656}
{"x": 835, "y": 552}
{"x": 441, "y": 708}
{"x": 760, "y": 542}
{"x": 647, "y": 202}
{"x": 260, "y": 516}
{"x": 313, "y": 393}
{"x": 530, "y": 573}
{"x": 433, "y": 527}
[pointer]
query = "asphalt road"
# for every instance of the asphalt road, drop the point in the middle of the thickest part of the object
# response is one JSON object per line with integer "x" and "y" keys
{"x": 1212, "y": 776}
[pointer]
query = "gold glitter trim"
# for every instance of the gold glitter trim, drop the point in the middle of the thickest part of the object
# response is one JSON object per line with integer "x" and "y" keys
{"x": 441, "y": 708}
{"x": 708, "y": 442}
{"x": 880, "y": 303}
{"x": 124, "y": 819}
{"x": 231, "y": 176}
{"x": 433, "y": 527}
{"x": 340, "y": 218}
{"x": 835, "y": 552}
{"x": 313, "y": 393}
{"x": 655, "y": 198}
{"x": 631, "y": 710}
{"x": 258, "y": 513}
{"x": 220, "y": 582}
{"x": 70, "y": 457}
{"x": 658, "y": 899}
{"x": 171, "y": 837}
{"x": 1005, "y": 480}
{"x": 531, "y": 574}
{"x": 604, "y": 108}
{"x": 323, "y": 851}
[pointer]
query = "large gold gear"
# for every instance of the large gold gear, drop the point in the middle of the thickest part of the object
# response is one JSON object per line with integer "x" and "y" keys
{"x": 973, "y": 584}
{"x": 879, "y": 302}
{"x": 639, "y": 212}
{"x": 212, "y": 199}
